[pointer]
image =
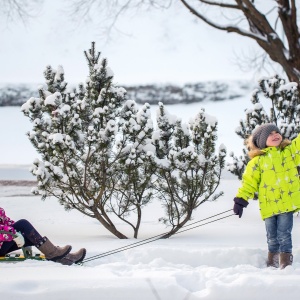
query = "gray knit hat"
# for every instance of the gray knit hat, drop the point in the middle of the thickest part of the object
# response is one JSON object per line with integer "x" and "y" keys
{"x": 261, "y": 134}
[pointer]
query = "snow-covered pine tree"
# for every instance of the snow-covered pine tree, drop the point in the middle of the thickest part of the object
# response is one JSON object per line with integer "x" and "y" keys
{"x": 133, "y": 180}
{"x": 82, "y": 146}
{"x": 166, "y": 126}
{"x": 188, "y": 168}
{"x": 284, "y": 105}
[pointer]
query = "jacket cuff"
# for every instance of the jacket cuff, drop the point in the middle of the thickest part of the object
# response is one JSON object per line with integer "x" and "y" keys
{"x": 241, "y": 201}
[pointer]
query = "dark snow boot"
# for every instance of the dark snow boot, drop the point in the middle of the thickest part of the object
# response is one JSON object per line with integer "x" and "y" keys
{"x": 73, "y": 258}
{"x": 52, "y": 252}
{"x": 273, "y": 260}
{"x": 285, "y": 259}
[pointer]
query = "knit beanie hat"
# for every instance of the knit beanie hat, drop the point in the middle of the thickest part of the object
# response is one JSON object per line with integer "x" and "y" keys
{"x": 261, "y": 134}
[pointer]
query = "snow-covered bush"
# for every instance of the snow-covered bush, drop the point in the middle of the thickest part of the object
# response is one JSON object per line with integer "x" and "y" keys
{"x": 78, "y": 136}
{"x": 284, "y": 111}
{"x": 188, "y": 169}
{"x": 100, "y": 154}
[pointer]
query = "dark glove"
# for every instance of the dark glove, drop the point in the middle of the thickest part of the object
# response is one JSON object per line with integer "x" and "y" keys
{"x": 239, "y": 204}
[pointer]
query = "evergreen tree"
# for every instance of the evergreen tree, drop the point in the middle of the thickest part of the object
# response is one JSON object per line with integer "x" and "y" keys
{"x": 188, "y": 168}
{"x": 284, "y": 105}
{"x": 133, "y": 180}
{"x": 77, "y": 134}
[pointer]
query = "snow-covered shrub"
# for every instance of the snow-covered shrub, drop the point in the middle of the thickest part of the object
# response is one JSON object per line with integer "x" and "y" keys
{"x": 79, "y": 135}
{"x": 188, "y": 168}
{"x": 284, "y": 111}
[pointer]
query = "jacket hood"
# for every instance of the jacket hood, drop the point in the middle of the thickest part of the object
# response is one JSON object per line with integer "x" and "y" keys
{"x": 255, "y": 151}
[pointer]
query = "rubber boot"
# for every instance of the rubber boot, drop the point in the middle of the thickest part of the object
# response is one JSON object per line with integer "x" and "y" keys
{"x": 73, "y": 258}
{"x": 52, "y": 252}
{"x": 273, "y": 260}
{"x": 285, "y": 259}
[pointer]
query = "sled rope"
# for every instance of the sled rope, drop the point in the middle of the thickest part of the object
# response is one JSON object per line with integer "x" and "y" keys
{"x": 157, "y": 237}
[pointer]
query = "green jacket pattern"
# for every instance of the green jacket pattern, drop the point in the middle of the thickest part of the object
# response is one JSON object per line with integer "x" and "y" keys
{"x": 274, "y": 175}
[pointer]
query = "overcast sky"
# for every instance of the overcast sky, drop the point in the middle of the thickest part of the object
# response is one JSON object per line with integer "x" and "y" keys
{"x": 159, "y": 47}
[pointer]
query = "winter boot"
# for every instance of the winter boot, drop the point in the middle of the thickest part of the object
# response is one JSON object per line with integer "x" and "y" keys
{"x": 53, "y": 252}
{"x": 73, "y": 258}
{"x": 273, "y": 260}
{"x": 285, "y": 259}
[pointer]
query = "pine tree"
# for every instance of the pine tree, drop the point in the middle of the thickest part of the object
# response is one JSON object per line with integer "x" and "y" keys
{"x": 188, "y": 169}
{"x": 284, "y": 112}
{"x": 83, "y": 137}
{"x": 133, "y": 182}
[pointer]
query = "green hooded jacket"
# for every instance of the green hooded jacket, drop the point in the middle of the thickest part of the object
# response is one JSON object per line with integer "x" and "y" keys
{"x": 275, "y": 177}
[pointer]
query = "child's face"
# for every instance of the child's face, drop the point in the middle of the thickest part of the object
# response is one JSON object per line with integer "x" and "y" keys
{"x": 274, "y": 139}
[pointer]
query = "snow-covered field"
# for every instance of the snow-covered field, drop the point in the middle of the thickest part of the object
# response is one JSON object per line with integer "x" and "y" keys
{"x": 220, "y": 260}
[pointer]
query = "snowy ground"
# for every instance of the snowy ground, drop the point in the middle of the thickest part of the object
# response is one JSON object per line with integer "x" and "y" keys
{"x": 220, "y": 260}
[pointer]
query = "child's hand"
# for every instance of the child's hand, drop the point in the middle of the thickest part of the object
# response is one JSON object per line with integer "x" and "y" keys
{"x": 239, "y": 204}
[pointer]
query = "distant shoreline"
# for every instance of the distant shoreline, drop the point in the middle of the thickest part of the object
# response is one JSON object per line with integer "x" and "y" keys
{"x": 17, "y": 183}
{"x": 16, "y": 94}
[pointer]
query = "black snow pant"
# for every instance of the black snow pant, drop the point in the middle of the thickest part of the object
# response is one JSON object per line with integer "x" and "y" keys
{"x": 30, "y": 234}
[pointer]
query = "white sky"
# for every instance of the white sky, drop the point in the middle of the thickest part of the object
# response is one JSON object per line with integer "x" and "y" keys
{"x": 160, "y": 47}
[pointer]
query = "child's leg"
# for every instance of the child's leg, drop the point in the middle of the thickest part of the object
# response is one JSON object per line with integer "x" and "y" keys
{"x": 30, "y": 234}
{"x": 285, "y": 225}
{"x": 8, "y": 247}
{"x": 284, "y": 229}
{"x": 31, "y": 237}
{"x": 272, "y": 238}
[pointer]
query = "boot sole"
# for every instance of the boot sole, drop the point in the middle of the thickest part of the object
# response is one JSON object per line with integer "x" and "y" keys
{"x": 81, "y": 258}
{"x": 63, "y": 255}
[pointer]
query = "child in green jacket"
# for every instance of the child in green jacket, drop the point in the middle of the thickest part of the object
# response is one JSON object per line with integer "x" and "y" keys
{"x": 272, "y": 173}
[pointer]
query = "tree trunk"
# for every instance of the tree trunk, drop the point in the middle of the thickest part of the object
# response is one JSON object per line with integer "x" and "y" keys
{"x": 110, "y": 227}
{"x": 178, "y": 226}
{"x": 283, "y": 50}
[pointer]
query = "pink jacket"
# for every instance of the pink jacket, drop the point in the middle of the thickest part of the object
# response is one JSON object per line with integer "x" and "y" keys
{"x": 6, "y": 225}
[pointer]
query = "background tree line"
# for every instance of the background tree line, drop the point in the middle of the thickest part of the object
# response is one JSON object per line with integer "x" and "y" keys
{"x": 17, "y": 94}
